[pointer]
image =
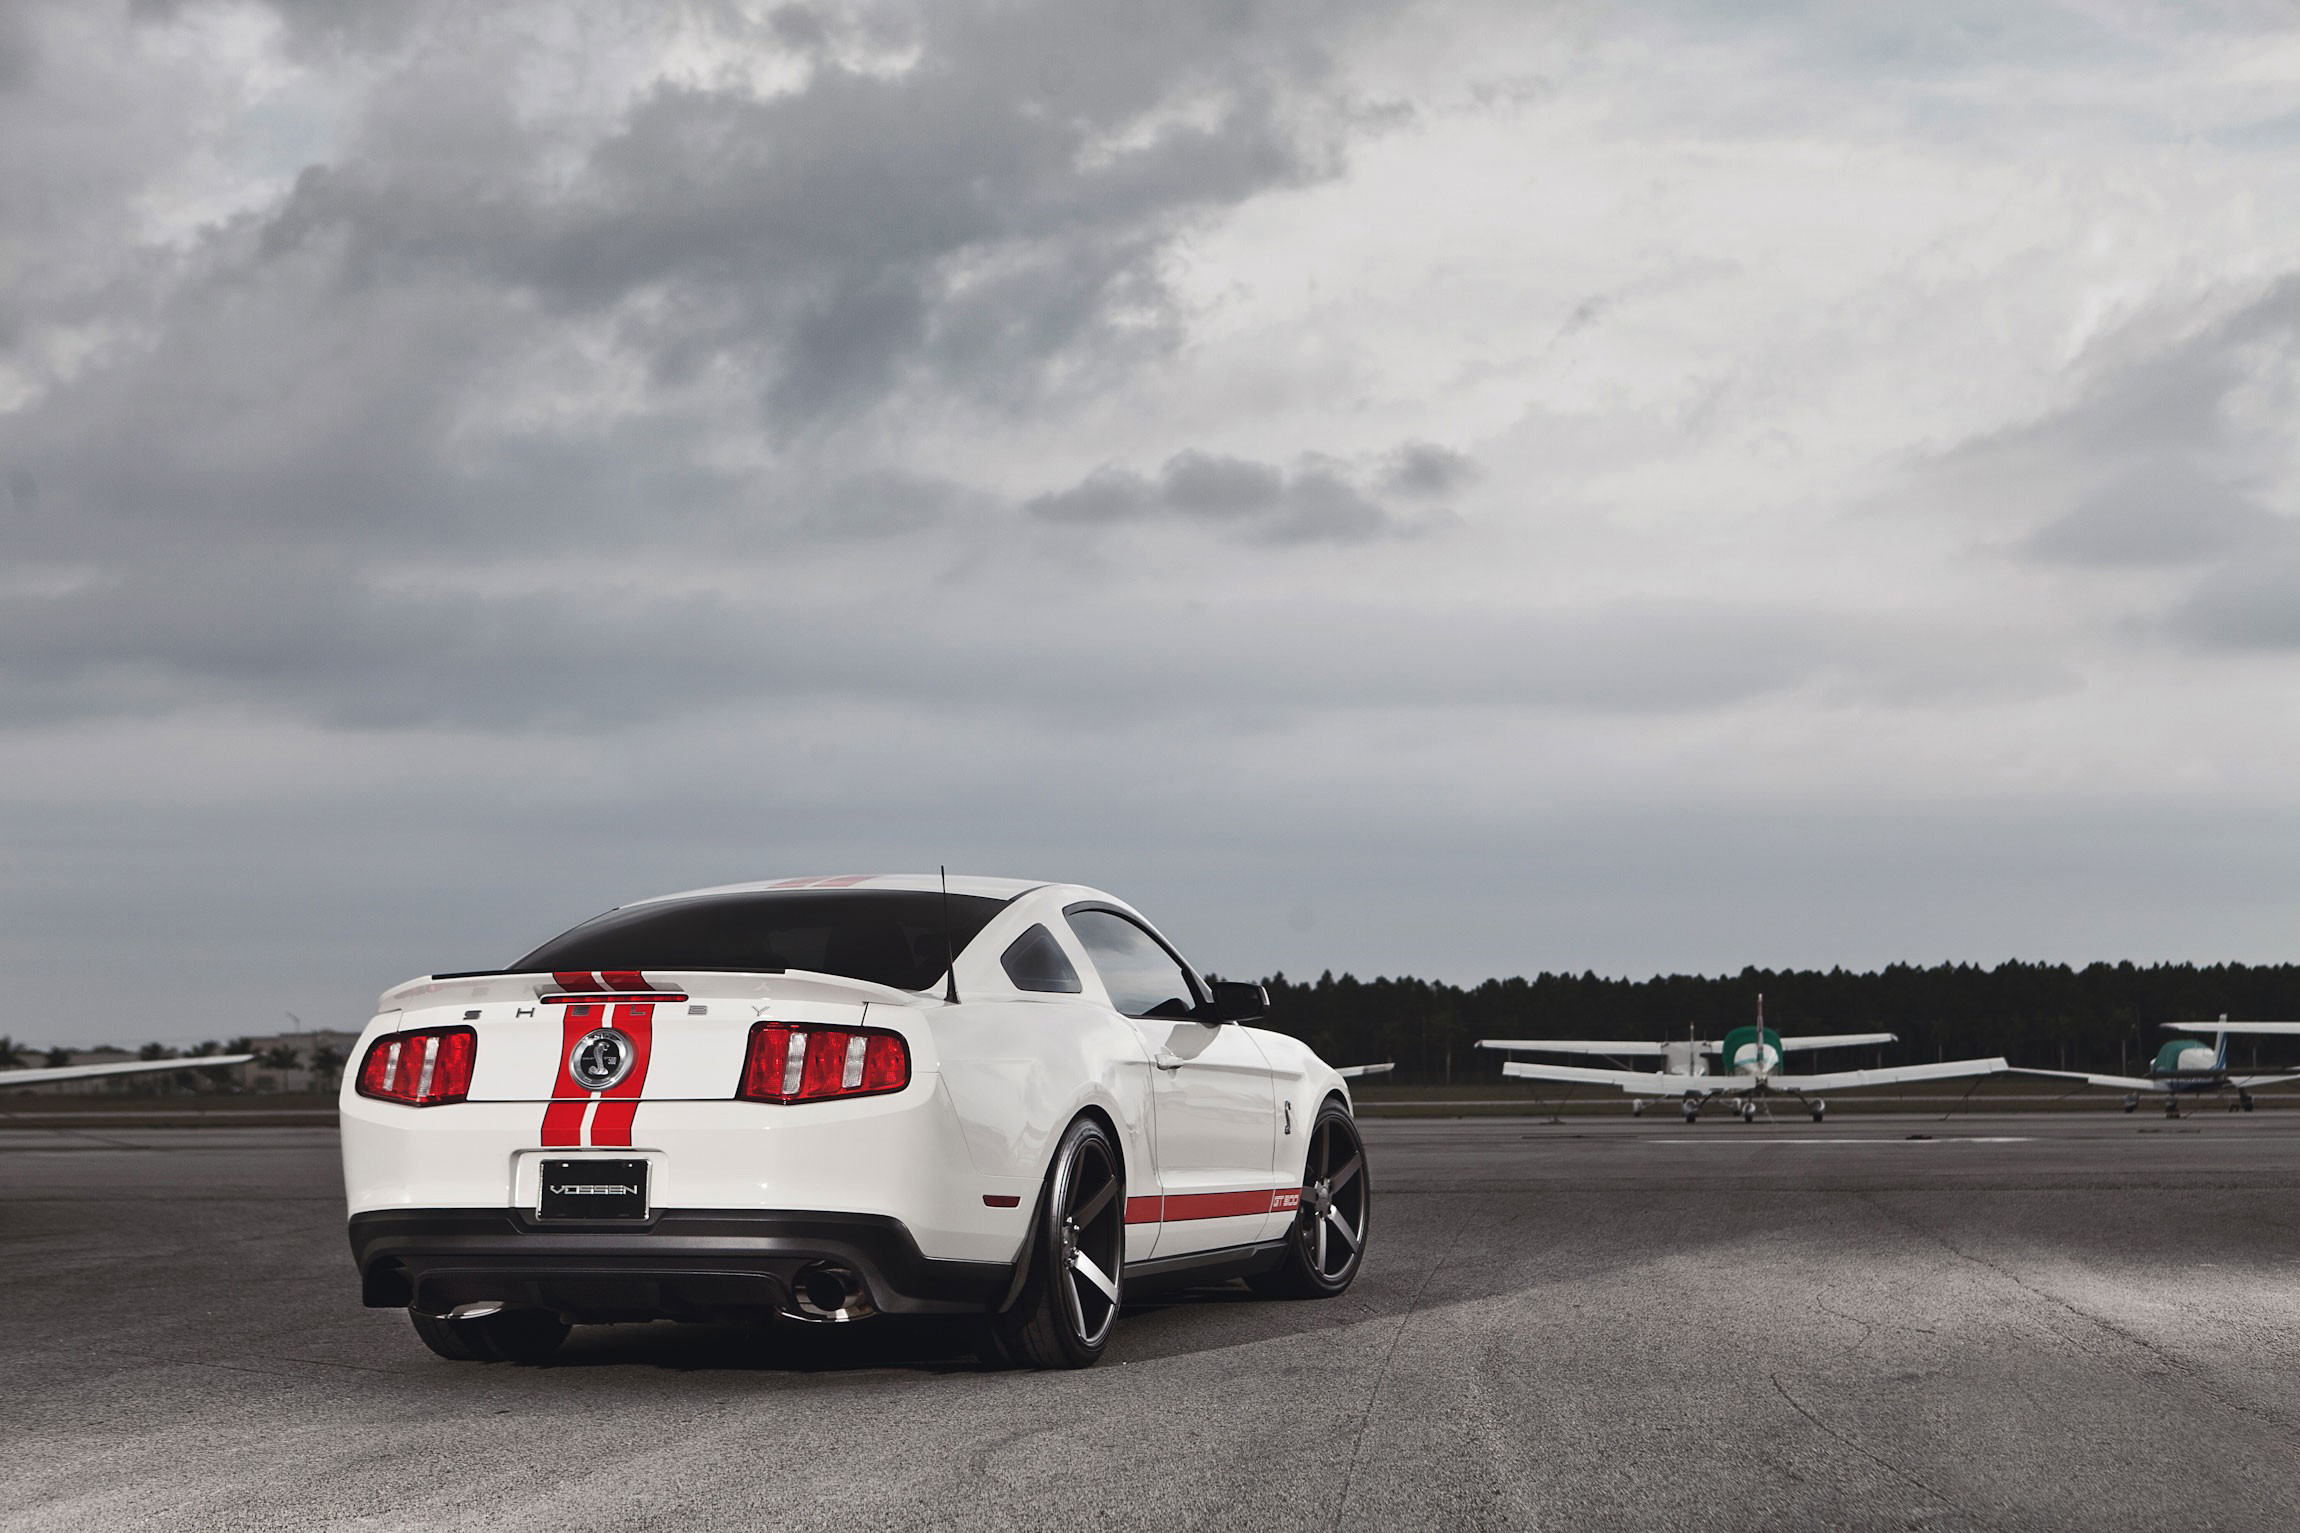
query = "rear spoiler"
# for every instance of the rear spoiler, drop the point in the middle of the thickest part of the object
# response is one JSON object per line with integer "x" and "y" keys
{"x": 685, "y": 968}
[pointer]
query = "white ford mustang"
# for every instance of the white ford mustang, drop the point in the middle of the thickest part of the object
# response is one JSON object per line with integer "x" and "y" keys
{"x": 829, "y": 1098}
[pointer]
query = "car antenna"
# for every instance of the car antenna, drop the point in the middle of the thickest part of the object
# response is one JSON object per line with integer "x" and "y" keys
{"x": 949, "y": 947}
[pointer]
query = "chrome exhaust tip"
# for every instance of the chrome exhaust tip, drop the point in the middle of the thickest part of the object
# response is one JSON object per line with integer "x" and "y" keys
{"x": 826, "y": 1293}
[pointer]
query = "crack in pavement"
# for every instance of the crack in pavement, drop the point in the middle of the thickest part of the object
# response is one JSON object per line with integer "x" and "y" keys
{"x": 2188, "y": 1372}
{"x": 1382, "y": 1374}
{"x": 1887, "y": 1465}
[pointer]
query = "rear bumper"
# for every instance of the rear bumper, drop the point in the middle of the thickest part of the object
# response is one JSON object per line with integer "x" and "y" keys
{"x": 681, "y": 1264}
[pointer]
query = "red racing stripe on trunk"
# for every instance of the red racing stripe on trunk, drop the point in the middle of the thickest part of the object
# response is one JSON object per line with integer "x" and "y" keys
{"x": 563, "y": 1115}
{"x": 623, "y": 979}
{"x": 619, "y": 1104}
{"x": 575, "y": 979}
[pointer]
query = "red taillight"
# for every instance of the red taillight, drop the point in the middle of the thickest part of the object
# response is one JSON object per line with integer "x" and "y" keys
{"x": 792, "y": 1062}
{"x": 421, "y": 1069}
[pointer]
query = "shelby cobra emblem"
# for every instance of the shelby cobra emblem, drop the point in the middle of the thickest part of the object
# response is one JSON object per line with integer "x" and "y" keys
{"x": 600, "y": 1058}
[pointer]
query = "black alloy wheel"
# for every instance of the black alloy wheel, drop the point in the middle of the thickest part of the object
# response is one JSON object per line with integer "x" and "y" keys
{"x": 1069, "y": 1303}
{"x": 507, "y": 1336}
{"x": 1327, "y": 1242}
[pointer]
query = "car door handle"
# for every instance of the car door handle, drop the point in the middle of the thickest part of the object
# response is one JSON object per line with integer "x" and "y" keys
{"x": 1166, "y": 1061}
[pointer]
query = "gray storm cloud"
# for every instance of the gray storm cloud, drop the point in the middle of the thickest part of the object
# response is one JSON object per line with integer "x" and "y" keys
{"x": 1317, "y": 502}
{"x": 1675, "y": 487}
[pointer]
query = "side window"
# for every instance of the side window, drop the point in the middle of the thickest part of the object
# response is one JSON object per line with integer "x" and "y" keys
{"x": 1142, "y": 978}
{"x": 1034, "y": 961}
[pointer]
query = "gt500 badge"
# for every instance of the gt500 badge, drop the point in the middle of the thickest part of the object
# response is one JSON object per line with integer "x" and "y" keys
{"x": 601, "y": 1058}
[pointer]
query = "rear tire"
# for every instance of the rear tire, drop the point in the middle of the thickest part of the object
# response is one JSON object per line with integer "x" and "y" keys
{"x": 1069, "y": 1304}
{"x": 1326, "y": 1244}
{"x": 507, "y": 1336}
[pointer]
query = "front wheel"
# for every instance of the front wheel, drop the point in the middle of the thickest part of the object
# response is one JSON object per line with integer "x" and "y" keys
{"x": 1328, "y": 1239}
{"x": 1069, "y": 1303}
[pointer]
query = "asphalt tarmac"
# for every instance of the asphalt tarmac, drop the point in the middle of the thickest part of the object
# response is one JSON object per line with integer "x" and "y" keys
{"x": 2052, "y": 1321}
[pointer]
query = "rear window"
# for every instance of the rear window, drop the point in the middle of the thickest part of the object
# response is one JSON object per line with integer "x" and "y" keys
{"x": 1034, "y": 961}
{"x": 887, "y": 936}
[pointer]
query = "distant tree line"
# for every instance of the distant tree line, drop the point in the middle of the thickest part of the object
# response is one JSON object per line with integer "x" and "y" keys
{"x": 2050, "y": 1016}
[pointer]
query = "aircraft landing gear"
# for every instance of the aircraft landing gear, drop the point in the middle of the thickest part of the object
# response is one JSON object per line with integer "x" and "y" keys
{"x": 1637, "y": 1107}
{"x": 2132, "y": 1101}
{"x": 2244, "y": 1100}
{"x": 1819, "y": 1108}
{"x": 2172, "y": 1107}
{"x": 1692, "y": 1109}
{"x": 1748, "y": 1112}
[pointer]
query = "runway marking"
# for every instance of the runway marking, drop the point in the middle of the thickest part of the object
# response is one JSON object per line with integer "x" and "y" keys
{"x": 1785, "y": 1139}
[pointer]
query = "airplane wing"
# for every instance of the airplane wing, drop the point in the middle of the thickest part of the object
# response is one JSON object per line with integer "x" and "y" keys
{"x": 2247, "y": 1082}
{"x": 44, "y": 1074}
{"x": 1573, "y": 1046}
{"x": 1641, "y": 1083}
{"x": 1348, "y": 1071}
{"x": 1891, "y": 1075}
{"x": 2285, "y": 1028}
{"x": 2113, "y": 1082}
{"x": 1836, "y": 1040}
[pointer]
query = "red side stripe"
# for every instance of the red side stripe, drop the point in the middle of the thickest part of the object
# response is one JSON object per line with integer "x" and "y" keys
{"x": 619, "y": 1104}
{"x": 563, "y": 1116}
{"x": 1213, "y": 1205}
{"x": 1217, "y": 1205}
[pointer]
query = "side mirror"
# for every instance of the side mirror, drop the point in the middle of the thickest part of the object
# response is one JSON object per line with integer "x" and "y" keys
{"x": 1237, "y": 1001}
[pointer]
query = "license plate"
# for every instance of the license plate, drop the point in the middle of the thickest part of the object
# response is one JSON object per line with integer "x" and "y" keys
{"x": 593, "y": 1189}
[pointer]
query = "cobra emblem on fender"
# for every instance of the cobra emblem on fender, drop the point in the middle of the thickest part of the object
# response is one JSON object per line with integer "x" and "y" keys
{"x": 601, "y": 1058}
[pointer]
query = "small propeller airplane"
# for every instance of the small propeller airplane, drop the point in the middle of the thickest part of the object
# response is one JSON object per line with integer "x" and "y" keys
{"x": 41, "y": 1075}
{"x": 1751, "y": 1059}
{"x": 2191, "y": 1067}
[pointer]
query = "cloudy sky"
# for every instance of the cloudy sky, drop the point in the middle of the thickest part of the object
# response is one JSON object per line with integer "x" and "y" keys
{"x": 1447, "y": 488}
